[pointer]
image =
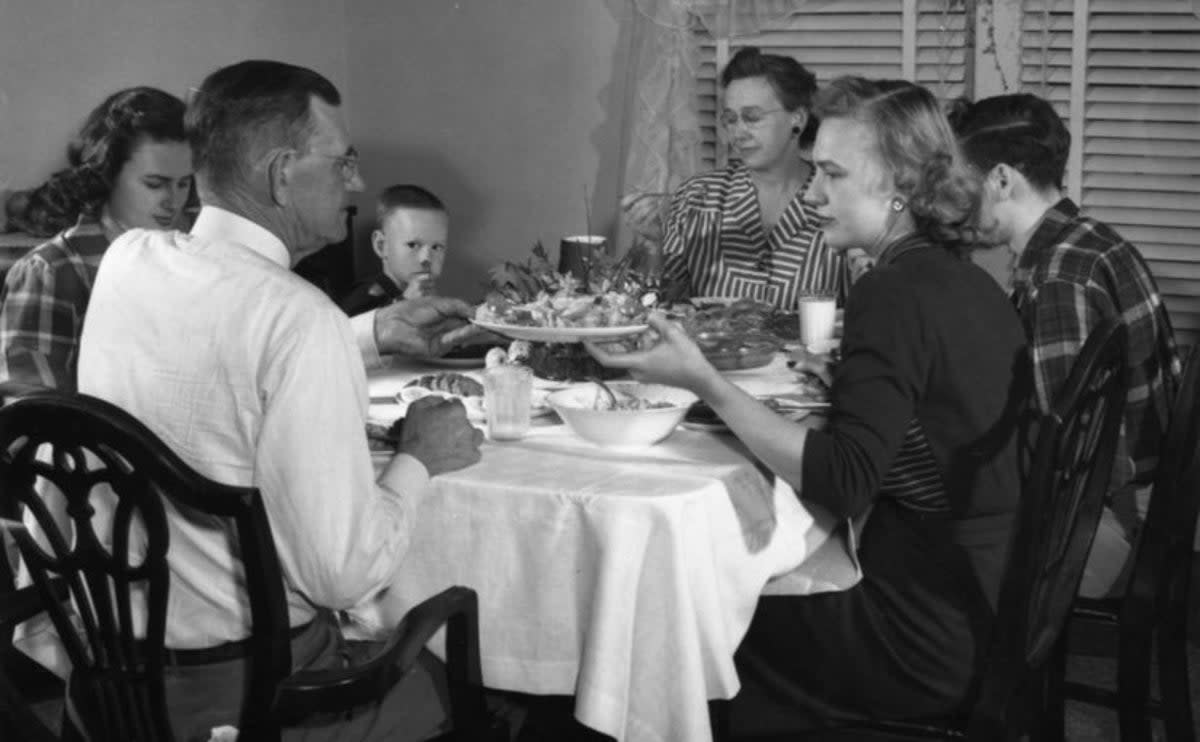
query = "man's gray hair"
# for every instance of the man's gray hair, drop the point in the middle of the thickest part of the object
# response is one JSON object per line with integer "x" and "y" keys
{"x": 244, "y": 110}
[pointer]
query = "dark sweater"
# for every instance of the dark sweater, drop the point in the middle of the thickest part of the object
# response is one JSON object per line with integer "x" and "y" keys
{"x": 931, "y": 341}
{"x": 923, "y": 426}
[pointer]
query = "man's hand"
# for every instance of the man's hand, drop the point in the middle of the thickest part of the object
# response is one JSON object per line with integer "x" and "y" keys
{"x": 425, "y": 327}
{"x": 437, "y": 434}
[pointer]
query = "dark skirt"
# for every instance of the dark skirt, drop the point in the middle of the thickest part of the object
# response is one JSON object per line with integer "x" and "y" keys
{"x": 904, "y": 643}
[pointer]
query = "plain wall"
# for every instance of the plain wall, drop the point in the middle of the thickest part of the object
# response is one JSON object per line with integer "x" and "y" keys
{"x": 508, "y": 110}
{"x": 60, "y": 58}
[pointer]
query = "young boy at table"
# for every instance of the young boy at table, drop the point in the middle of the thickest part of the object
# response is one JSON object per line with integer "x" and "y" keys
{"x": 410, "y": 240}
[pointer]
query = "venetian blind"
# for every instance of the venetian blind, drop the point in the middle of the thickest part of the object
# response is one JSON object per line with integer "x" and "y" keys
{"x": 1126, "y": 77}
{"x": 911, "y": 39}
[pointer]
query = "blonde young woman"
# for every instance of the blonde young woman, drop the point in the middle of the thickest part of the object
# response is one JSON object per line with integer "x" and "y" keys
{"x": 922, "y": 431}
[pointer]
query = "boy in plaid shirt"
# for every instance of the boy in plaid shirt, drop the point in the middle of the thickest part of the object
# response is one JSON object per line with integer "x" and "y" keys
{"x": 1073, "y": 272}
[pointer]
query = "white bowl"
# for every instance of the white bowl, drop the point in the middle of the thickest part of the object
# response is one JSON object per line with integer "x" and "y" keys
{"x": 621, "y": 428}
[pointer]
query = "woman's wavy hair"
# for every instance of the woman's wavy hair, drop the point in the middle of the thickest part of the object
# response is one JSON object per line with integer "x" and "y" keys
{"x": 1021, "y": 130}
{"x": 95, "y": 157}
{"x": 793, "y": 84}
{"x": 916, "y": 149}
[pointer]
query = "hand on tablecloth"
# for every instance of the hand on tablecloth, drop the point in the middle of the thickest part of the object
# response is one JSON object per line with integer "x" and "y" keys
{"x": 437, "y": 433}
{"x": 423, "y": 327}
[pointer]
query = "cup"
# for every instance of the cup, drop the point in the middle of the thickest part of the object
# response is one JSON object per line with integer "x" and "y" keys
{"x": 818, "y": 316}
{"x": 575, "y": 253}
{"x": 507, "y": 395}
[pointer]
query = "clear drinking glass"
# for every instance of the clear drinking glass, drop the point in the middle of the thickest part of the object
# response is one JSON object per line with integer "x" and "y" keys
{"x": 507, "y": 392}
{"x": 818, "y": 316}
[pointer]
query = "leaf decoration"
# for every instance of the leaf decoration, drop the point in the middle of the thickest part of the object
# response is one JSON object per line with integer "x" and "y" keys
{"x": 521, "y": 282}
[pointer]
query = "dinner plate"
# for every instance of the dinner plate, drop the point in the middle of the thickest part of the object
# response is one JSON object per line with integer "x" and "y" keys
{"x": 561, "y": 334}
{"x": 444, "y": 362}
{"x": 476, "y": 411}
{"x": 795, "y": 415}
{"x": 794, "y": 406}
{"x": 704, "y": 427}
{"x": 468, "y": 356}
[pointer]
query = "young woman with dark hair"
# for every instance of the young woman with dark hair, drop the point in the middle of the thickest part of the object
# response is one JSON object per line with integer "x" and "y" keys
{"x": 129, "y": 167}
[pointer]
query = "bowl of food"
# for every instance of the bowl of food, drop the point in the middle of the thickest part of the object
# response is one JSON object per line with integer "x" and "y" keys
{"x": 636, "y": 414}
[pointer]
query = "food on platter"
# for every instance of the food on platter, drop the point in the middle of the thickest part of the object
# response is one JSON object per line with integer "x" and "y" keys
{"x": 564, "y": 308}
{"x": 733, "y": 352}
{"x": 459, "y": 385}
{"x": 467, "y": 389}
{"x": 533, "y": 294}
{"x": 733, "y": 335}
{"x": 745, "y": 318}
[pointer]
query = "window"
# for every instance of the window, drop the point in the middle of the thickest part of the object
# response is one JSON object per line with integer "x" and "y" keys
{"x": 1124, "y": 75}
{"x": 912, "y": 39}
{"x": 1132, "y": 103}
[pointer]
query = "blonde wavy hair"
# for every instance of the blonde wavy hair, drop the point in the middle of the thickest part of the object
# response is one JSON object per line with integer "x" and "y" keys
{"x": 916, "y": 148}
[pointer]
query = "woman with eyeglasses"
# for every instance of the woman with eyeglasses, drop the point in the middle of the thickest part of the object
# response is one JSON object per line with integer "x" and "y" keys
{"x": 130, "y": 166}
{"x": 744, "y": 231}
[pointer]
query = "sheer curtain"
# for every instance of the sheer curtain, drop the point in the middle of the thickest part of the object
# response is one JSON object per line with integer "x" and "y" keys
{"x": 663, "y": 126}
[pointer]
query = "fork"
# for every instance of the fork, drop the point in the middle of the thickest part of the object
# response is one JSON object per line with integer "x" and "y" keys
{"x": 612, "y": 398}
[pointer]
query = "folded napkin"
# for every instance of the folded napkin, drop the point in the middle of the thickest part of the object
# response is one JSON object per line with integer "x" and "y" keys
{"x": 832, "y": 567}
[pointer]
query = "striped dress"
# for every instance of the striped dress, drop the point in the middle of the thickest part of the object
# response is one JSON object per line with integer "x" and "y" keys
{"x": 716, "y": 245}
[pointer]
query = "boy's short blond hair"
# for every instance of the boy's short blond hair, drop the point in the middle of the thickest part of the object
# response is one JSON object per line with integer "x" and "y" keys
{"x": 404, "y": 196}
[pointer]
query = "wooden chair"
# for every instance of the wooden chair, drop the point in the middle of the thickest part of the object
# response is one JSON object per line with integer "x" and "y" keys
{"x": 1154, "y": 605}
{"x": 117, "y": 679}
{"x": 23, "y": 682}
{"x": 1060, "y": 508}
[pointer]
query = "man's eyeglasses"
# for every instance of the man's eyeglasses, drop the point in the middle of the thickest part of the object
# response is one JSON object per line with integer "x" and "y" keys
{"x": 750, "y": 116}
{"x": 347, "y": 164}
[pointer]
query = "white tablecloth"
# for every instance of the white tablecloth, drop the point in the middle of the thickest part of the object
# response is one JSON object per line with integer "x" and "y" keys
{"x": 624, "y": 578}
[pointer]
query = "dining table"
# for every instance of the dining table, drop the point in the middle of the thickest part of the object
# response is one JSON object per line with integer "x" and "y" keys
{"x": 625, "y": 578}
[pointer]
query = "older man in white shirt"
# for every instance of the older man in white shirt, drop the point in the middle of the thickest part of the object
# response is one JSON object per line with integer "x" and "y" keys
{"x": 255, "y": 378}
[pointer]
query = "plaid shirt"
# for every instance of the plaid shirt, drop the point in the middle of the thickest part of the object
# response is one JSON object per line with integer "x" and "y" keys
{"x": 1074, "y": 273}
{"x": 44, "y": 298}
